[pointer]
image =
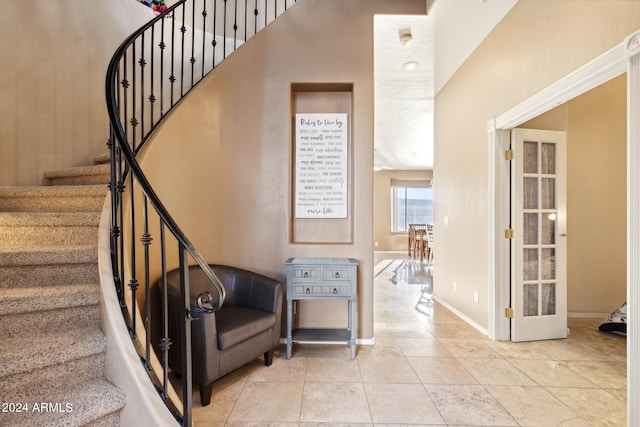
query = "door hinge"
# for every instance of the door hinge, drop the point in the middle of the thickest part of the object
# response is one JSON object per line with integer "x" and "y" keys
{"x": 508, "y": 233}
{"x": 508, "y": 313}
{"x": 509, "y": 155}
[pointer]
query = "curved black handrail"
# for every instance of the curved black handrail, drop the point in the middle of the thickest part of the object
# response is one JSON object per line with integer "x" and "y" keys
{"x": 149, "y": 74}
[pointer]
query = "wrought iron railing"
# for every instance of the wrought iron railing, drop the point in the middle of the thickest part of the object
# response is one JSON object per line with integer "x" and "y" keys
{"x": 148, "y": 75}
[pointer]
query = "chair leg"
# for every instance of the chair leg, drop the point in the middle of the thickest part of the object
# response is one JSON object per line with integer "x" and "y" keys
{"x": 205, "y": 393}
{"x": 268, "y": 358}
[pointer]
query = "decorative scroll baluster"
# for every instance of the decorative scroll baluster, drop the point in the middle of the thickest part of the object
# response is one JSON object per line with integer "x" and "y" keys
{"x": 165, "y": 342}
{"x": 185, "y": 325}
{"x": 235, "y": 23}
{"x": 204, "y": 33}
{"x": 193, "y": 43}
{"x": 146, "y": 241}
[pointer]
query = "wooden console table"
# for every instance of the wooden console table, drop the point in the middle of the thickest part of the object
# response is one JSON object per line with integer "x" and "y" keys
{"x": 321, "y": 279}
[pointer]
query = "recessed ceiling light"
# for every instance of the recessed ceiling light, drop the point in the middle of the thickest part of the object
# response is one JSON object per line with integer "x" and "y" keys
{"x": 405, "y": 36}
{"x": 412, "y": 65}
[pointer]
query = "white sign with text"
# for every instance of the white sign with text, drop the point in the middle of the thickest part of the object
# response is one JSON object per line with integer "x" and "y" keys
{"x": 321, "y": 165}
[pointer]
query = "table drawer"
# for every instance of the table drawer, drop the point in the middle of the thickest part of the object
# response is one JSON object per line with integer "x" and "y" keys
{"x": 337, "y": 290}
{"x": 336, "y": 273}
{"x": 306, "y": 273}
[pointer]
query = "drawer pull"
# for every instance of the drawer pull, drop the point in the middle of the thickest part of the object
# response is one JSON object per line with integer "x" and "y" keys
{"x": 335, "y": 291}
{"x": 307, "y": 291}
{"x": 337, "y": 274}
{"x": 305, "y": 274}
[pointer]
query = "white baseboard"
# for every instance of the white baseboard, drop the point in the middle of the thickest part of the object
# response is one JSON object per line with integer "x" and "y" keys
{"x": 480, "y": 329}
{"x": 588, "y": 315}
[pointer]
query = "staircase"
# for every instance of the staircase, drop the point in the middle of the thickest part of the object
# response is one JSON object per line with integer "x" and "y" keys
{"x": 52, "y": 350}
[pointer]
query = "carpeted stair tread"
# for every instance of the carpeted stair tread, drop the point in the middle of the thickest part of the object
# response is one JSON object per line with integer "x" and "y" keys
{"x": 54, "y": 219}
{"x": 38, "y": 298}
{"x": 29, "y": 352}
{"x": 48, "y": 255}
{"x": 59, "y": 198}
{"x": 103, "y": 158}
{"x": 79, "y": 175}
{"x": 48, "y": 228}
{"x": 44, "y": 322}
{"x": 54, "y": 191}
{"x": 92, "y": 402}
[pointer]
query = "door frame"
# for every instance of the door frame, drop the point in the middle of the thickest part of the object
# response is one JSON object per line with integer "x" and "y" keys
{"x": 625, "y": 57}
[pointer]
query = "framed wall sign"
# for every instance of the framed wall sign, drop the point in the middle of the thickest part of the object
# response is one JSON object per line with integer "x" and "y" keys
{"x": 321, "y": 165}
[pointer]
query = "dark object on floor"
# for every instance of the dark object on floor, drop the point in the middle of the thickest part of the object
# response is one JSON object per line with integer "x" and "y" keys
{"x": 616, "y": 322}
{"x": 247, "y": 325}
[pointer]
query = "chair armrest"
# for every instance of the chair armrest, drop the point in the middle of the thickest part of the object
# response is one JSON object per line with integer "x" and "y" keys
{"x": 266, "y": 294}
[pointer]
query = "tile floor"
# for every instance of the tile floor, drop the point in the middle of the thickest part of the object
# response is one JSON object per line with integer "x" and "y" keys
{"x": 428, "y": 367}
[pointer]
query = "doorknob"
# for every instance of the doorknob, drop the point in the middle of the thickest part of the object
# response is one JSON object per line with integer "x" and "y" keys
{"x": 563, "y": 235}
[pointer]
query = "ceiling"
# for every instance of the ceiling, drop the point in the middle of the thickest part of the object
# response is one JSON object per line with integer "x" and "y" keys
{"x": 440, "y": 42}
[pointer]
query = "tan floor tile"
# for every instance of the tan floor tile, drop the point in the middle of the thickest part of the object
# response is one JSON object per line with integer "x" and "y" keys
{"x": 335, "y": 403}
{"x": 496, "y": 372}
{"x": 322, "y": 350}
{"x": 384, "y": 346}
{"x": 398, "y": 316}
{"x": 602, "y": 374}
{"x": 441, "y": 370}
{"x": 597, "y": 406}
{"x": 565, "y": 350}
{"x": 398, "y": 330}
{"x": 551, "y": 373}
{"x": 401, "y": 404}
{"x": 424, "y": 347}
{"x": 332, "y": 370}
{"x": 532, "y": 406}
{"x": 257, "y": 424}
{"x": 335, "y": 425}
{"x": 223, "y": 397}
{"x": 469, "y": 348}
{"x": 516, "y": 350}
{"x": 468, "y": 405}
{"x": 281, "y": 370}
{"x": 454, "y": 330}
{"x": 268, "y": 402}
{"x": 386, "y": 369}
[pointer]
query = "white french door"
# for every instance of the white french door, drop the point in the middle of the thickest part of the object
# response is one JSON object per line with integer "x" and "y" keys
{"x": 539, "y": 250}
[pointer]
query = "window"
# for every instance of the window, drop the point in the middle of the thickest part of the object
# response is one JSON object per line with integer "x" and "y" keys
{"x": 411, "y": 203}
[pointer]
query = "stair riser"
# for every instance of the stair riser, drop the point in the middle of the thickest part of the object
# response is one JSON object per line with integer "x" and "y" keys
{"x": 78, "y": 180}
{"x": 39, "y": 384}
{"x": 111, "y": 420}
{"x": 51, "y": 204}
{"x": 20, "y": 236}
{"x": 64, "y": 319}
{"x": 48, "y": 274}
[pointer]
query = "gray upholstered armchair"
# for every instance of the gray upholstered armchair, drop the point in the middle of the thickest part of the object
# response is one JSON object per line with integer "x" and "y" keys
{"x": 247, "y": 325}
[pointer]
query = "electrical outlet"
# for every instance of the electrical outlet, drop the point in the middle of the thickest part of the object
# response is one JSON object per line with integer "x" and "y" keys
{"x": 476, "y": 297}
{"x": 455, "y": 286}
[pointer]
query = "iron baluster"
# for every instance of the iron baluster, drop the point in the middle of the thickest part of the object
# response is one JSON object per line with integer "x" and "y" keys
{"x": 224, "y": 31}
{"x": 185, "y": 325}
{"x": 146, "y": 241}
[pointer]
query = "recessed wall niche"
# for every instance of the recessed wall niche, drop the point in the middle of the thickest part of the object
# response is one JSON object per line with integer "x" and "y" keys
{"x": 321, "y": 163}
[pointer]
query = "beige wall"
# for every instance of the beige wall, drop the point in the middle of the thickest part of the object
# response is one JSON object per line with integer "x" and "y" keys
{"x": 596, "y": 195}
{"x": 537, "y": 43}
{"x": 53, "y": 62}
{"x": 222, "y": 161}
{"x": 382, "y": 209}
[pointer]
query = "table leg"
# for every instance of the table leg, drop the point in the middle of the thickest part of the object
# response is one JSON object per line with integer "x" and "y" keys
{"x": 289, "y": 339}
